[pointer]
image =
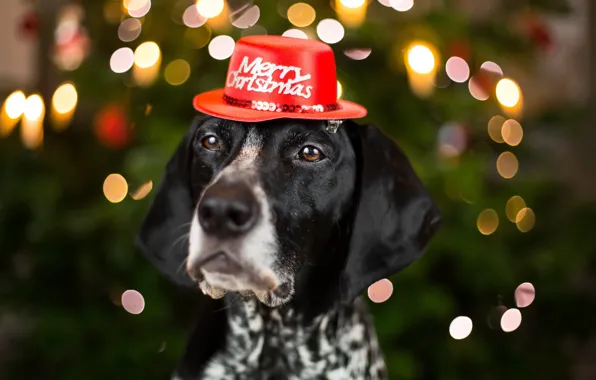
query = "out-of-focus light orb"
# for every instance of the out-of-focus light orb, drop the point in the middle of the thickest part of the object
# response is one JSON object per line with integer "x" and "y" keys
{"x": 511, "y": 320}
{"x": 115, "y": 188}
{"x": 129, "y": 30}
{"x": 457, "y": 69}
{"x": 340, "y": 90}
{"x": 386, "y": 3}
{"x": 525, "y": 219}
{"x": 460, "y": 328}
{"x": 134, "y": 4}
{"x": 507, "y": 165}
{"x": 248, "y": 18}
{"x": 142, "y": 11}
{"x": 492, "y": 67}
{"x": 147, "y": 54}
{"x": 512, "y": 132}
{"x": 353, "y": 3}
{"x": 14, "y": 105}
{"x": 210, "y": 8}
{"x": 133, "y": 302}
{"x": 221, "y": 47}
{"x": 452, "y": 140}
{"x": 177, "y": 72}
{"x": 192, "y": 18}
{"x": 421, "y": 59}
{"x": 513, "y": 206}
{"x": 476, "y": 90}
{"x": 295, "y": 33}
{"x": 301, "y": 15}
{"x": 142, "y": 191}
{"x": 65, "y": 98}
{"x": 401, "y": 5}
{"x": 122, "y": 60}
{"x": 358, "y": 54}
{"x": 495, "y": 124}
{"x": 524, "y": 295}
{"x": 34, "y": 107}
{"x": 488, "y": 221}
{"x": 330, "y": 31}
{"x": 380, "y": 291}
{"x": 197, "y": 38}
{"x": 508, "y": 92}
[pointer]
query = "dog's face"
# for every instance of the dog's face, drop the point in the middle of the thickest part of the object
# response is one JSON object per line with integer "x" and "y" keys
{"x": 263, "y": 200}
{"x": 274, "y": 192}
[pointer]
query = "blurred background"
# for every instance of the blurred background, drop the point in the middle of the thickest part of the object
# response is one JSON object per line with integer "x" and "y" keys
{"x": 492, "y": 100}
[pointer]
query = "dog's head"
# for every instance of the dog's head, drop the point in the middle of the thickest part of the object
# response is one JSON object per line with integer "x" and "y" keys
{"x": 259, "y": 203}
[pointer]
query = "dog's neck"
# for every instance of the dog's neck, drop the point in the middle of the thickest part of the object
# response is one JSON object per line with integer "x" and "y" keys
{"x": 271, "y": 343}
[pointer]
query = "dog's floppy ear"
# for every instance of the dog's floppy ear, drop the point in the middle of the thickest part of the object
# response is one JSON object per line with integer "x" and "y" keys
{"x": 395, "y": 218}
{"x": 162, "y": 236}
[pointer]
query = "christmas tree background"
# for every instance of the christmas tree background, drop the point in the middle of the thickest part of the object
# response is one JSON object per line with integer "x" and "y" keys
{"x": 67, "y": 223}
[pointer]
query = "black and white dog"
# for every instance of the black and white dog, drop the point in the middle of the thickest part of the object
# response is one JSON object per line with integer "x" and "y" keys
{"x": 287, "y": 224}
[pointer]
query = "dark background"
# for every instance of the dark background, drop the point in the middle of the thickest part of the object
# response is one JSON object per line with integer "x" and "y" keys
{"x": 67, "y": 254}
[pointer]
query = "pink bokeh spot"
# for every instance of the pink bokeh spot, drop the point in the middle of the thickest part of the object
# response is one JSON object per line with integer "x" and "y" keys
{"x": 380, "y": 291}
{"x": 133, "y": 302}
{"x": 525, "y": 294}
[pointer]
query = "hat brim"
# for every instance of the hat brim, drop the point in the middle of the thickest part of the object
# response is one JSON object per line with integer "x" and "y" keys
{"x": 211, "y": 103}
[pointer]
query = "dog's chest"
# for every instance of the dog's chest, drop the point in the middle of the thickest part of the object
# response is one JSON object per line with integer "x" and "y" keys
{"x": 272, "y": 344}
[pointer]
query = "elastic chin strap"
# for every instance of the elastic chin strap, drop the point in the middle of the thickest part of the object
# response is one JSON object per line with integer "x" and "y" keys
{"x": 333, "y": 125}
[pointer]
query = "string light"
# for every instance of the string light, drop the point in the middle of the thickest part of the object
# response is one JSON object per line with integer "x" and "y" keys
{"x": 513, "y": 206}
{"x": 351, "y": 13}
{"x": 221, "y": 47}
{"x": 147, "y": 54}
{"x": 177, "y": 72}
{"x": 353, "y": 3}
{"x": 460, "y": 328}
{"x": 380, "y": 291}
{"x": 512, "y": 132}
{"x": 142, "y": 191}
{"x": 421, "y": 62}
{"x": 133, "y": 302}
{"x": 65, "y": 98}
{"x": 507, "y": 165}
{"x": 524, "y": 295}
{"x": 140, "y": 11}
{"x": 295, "y": 33}
{"x": 508, "y": 93}
{"x": 457, "y": 69}
{"x": 495, "y": 124}
{"x": 14, "y": 105}
{"x": 32, "y": 126}
{"x": 358, "y": 54}
{"x": 301, "y": 15}
{"x": 210, "y": 8}
{"x": 330, "y": 31}
{"x": 248, "y": 18}
{"x": 192, "y": 18}
{"x": 115, "y": 188}
{"x": 525, "y": 219}
{"x": 129, "y": 30}
{"x": 488, "y": 221}
{"x": 511, "y": 320}
{"x": 492, "y": 67}
{"x": 421, "y": 59}
{"x": 122, "y": 60}
{"x": 476, "y": 89}
{"x": 401, "y": 5}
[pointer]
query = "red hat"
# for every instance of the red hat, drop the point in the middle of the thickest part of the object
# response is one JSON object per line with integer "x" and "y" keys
{"x": 274, "y": 77}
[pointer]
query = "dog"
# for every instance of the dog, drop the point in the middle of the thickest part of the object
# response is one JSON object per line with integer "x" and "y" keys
{"x": 282, "y": 225}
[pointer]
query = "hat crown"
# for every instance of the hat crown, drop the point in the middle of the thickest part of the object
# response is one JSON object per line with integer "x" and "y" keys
{"x": 280, "y": 71}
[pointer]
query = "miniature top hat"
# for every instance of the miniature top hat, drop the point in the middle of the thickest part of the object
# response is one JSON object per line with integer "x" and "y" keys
{"x": 274, "y": 77}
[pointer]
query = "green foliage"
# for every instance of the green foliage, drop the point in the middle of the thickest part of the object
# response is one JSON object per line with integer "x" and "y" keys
{"x": 67, "y": 253}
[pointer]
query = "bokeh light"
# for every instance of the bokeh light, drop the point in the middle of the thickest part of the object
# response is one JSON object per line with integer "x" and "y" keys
{"x": 129, "y": 30}
{"x": 353, "y": 3}
{"x": 134, "y": 4}
{"x": 386, "y": 3}
{"x": 140, "y": 11}
{"x": 495, "y": 124}
{"x": 177, "y": 72}
{"x": 488, "y": 221}
{"x": 340, "y": 90}
{"x": 380, "y": 291}
{"x": 192, "y": 18}
{"x": 247, "y": 18}
{"x": 457, "y": 69}
{"x": 14, "y": 105}
{"x": 512, "y": 132}
{"x": 492, "y": 67}
{"x": 401, "y": 5}
{"x": 330, "y": 31}
{"x": 122, "y": 60}
{"x": 133, "y": 302}
{"x": 452, "y": 140}
{"x": 301, "y": 15}
{"x": 115, "y": 188}
{"x": 147, "y": 54}
{"x": 198, "y": 38}
{"x": 508, "y": 92}
{"x": 511, "y": 320}
{"x": 476, "y": 90}
{"x": 142, "y": 191}
{"x": 210, "y": 8}
{"x": 513, "y": 206}
{"x": 65, "y": 98}
{"x": 221, "y": 47}
{"x": 525, "y": 295}
{"x": 421, "y": 59}
{"x": 507, "y": 165}
{"x": 525, "y": 219}
{"x": 357, "y": 54}
{"x": 34, "y": 107}
{"x": 460, "y": 328}
{"x": 295, "y": 33}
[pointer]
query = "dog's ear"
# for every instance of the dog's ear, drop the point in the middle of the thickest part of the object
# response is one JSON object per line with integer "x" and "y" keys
{"x": 395, "y": 218}
{"x": 163, "y": 234}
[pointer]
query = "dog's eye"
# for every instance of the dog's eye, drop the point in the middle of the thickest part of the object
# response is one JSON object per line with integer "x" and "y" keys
{"x": 311, "y": 154}
{"x": 211, "y": 143}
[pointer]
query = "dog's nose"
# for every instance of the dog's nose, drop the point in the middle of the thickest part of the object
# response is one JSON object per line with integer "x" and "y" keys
{"x": 228, "y": 209}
